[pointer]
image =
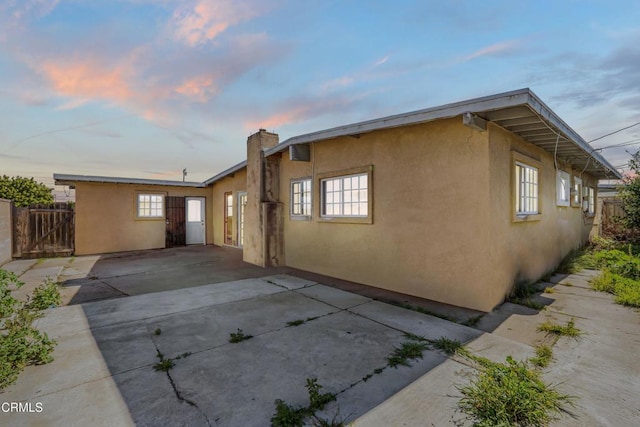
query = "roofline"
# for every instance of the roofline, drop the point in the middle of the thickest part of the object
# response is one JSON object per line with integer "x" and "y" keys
{"x": 225, "y": 173}
{"x": 66, "y": 179}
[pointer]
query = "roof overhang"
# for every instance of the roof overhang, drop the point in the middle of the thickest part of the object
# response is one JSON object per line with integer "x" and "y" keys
{"x": 71, "y": 180}
{"x": 519, "y": 111}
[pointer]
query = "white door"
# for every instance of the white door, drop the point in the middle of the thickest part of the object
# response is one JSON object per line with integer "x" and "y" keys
{"x": 242, "y": 202}
{"x": 195, "y": 221}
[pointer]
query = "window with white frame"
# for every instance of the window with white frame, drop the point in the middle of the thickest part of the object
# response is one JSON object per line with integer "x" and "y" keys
{"x": 150, "y": 205}
{"x": 526, "y": 189}
{"x": 577, "y": 191}
{"x": 592, "y": 201}
{"x": 563, "y": 188}
{"x": 345, "y": 196}
{"x": 301, "y": 197}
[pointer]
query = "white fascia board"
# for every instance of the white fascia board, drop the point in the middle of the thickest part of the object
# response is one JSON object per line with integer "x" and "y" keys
{"x": 66, "y": 179}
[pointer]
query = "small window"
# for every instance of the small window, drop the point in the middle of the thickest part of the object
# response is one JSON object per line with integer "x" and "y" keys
{"x": 592, "y": 201}
{"x": 563, "y": 188}
{"x": 150, "y": 206}
{"x": 577, "y": 192}
{"x": 345, "y": 196}
{"x": 301, "y": 197}
{"x": 526, "y": 189}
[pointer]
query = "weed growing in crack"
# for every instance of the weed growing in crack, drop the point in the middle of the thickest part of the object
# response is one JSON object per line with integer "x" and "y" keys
{"x": 448, "y": 346}
{"x": 236, "y": 337}
{"x": 158, "y": 331}
{"x": 164, "y": 365}
{"x": 289, "y": 416}
{"x": 549, "y": 290}
{"x": 472, "y": 321}
{"x": 543, "y": 356}
{"x": 569, "y": 330}
{"x": 407, "y": 350}
{"x": 295, "y": 322}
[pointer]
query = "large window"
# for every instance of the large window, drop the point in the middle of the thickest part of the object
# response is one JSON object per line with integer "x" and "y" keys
{"x": 301, "y": 197}
{"x": 345, "y": 196}
{"x": 563, "y": 188}
{"x": 150, "y": 206}
{"x": 526, "y": 184}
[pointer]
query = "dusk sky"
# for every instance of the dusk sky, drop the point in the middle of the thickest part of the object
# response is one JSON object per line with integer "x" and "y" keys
{"x": 145, "y": 88}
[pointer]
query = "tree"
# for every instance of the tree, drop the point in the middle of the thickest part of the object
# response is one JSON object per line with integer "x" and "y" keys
{"x": 24, "y": 191}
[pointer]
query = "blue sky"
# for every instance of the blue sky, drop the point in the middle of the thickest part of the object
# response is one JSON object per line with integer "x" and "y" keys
{"x": 145, "y": 88}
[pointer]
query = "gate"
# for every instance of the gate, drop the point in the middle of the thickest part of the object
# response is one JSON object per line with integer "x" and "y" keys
{"x": 43, "y": 231}
{"x": 175, "y": 231}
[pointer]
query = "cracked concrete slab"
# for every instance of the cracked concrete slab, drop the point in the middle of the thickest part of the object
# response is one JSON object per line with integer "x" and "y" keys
{"x": 332, "y": 296}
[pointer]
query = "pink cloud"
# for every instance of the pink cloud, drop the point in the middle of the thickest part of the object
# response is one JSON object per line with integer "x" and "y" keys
{"x": 199, "y": 89}
{"x": 88, "y": 79}
{"x": 495, "y": 49}
{"x": 203, "y": 20}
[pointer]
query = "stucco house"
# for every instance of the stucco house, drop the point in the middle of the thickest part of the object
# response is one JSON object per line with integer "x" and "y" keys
{"x": 455, "y": 203}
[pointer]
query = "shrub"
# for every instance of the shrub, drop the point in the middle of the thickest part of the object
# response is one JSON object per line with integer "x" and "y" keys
{"x": 45, "y": 296}
{"x": 20, "y": 343}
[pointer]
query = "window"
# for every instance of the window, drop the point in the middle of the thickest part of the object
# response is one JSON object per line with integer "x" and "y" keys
{"x": 563, "y": 188}
{"x": 526, "y": 184}
{"x": 150, "y": 206}
{"x": 577, "y": 192}
{"x": 301, "y": 197}
{"x": 592, "y": 201}
{"x": 345, "y": 196}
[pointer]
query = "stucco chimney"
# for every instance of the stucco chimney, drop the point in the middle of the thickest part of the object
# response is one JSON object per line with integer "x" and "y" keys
{"x": 263, "y": 226}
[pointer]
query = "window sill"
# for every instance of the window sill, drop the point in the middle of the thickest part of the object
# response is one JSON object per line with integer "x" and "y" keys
{"x": 300, "y": 217}
{"x": 150, "y": 218}
{"x": 347, "y": 220}
{"x": 527, "y": 218}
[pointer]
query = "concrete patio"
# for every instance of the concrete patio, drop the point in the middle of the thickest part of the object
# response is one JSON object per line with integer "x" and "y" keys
{"x": 103, "y": 371}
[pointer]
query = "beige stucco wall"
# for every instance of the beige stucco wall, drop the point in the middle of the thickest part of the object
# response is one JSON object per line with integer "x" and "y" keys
{"x": 6, "y": 248}
{"x": 236, "y": 183}
{"x": 106, "y": 217}
{"x": 524, "y": 251}
{"x": 431, "y": 213}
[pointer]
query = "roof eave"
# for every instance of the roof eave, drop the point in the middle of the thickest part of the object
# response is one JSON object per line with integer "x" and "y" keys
{"x": 67, "y": 179}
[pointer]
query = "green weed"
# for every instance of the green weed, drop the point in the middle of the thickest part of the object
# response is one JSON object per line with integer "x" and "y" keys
{"x": 472, "y": 321}
{"x": 543, "y": 356}
{"x": 236, "y": 337}
{"x": 408, "y": 350}
{"x": 290, "y": 416}
{"x": 549, "y": 290}
{"x": 511, "y": 394}
{"x": 626, "y": 291}
{"x": 295, "y": 323}
{"x": 448, "y": 346}
{"x": 569, "y": 330}
{"x": 45, "y": 296}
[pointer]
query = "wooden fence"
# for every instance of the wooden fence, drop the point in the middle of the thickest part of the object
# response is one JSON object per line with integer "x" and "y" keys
{"x": 43, "y": 231}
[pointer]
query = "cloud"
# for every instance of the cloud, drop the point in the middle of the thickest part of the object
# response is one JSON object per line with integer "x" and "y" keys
{"x": 497, "y": 49}
{"x": 201, "y": 21}
{"x": 88, "y": 79}
{"x": 200, "y": 88}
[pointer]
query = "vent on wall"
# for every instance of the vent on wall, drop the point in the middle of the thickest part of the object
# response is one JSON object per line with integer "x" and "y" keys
{"x": 299, "y": 153}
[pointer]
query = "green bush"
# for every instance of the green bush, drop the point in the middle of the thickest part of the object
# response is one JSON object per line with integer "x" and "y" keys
{"x": 20, "y": 343}
{"x": 511, "y": 394}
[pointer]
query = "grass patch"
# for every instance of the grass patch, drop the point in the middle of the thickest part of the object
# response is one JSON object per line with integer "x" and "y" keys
{"x": 410, "y": 350}
{"x": 295, "y": 322}
{"x": 239, "y": 336}
{"x": 626, "y": 291}
{"x": 549, "y": 290}
{"x": 448, "y": 346}
{"x": 543, "y": 356}
{"x": 511, "y": 394}
{"x": 568, "y": 330}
